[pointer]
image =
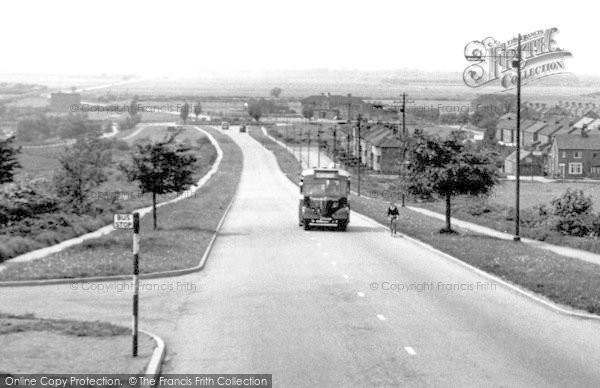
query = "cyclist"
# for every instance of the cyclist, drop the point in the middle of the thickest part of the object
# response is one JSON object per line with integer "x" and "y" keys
{"x": 392, "y": 213}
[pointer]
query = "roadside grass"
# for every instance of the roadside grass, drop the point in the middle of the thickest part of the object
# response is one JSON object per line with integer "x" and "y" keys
{"x": 49, "y": 229}
{"x": 287, "y": 162}
{"x": 38, "y": 345}
{"x": 185, "y": 229}
{"x": 564, "y": 280}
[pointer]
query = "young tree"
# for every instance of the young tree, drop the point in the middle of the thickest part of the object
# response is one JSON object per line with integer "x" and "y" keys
{"x": 446, "y": 168}
{"x": 81, "y": 171}
{"x": 161, "y": 168}
{"x": 8, "y": 160}
{"x": 185, "y": 111}
{"x": 276, "y": 92}
{"x": 197, "y": 109}
{"x": 255, "y": 110}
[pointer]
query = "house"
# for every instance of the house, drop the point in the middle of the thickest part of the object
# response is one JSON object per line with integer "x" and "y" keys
{"x": 531, "y": 163}
{"x": 64, "y": 102}
{"x": 332, "y": 107}
{"x": 575, "y": 155}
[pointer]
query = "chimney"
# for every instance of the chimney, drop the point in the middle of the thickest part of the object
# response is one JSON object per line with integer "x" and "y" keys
{"x": 584, "y": 130}
{"x": 349, "y": 95}
{"x": 322, "y": 94}
{"x": 328, "y": 94}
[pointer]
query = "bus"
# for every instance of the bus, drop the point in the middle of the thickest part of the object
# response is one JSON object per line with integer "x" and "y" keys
{"x": 324, "y": 196}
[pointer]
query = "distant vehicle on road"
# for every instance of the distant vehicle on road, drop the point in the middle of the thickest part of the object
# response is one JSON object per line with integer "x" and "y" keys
{"x": 324, "y": 196}
{"x": 174, "y": 128}
{"x": 242, "y": 127}
{"x": 224, "y": 125}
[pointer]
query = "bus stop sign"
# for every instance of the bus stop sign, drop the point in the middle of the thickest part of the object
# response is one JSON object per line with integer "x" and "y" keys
{"x": 123, "y": 221}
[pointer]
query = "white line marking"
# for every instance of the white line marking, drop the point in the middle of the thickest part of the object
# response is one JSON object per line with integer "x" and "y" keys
{"x": 410, "y": 350}
{"x": 346, "y": 276}
{"x": 333, "y": 263}
{"x": 381, "y": 317}
{"x": 361, "y": 294}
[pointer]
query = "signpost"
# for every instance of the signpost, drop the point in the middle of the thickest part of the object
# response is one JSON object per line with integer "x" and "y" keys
{"x": 132, "y": 221}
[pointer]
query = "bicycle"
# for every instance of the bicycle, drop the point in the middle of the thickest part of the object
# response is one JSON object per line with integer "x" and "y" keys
{"x": 393, "y": 224}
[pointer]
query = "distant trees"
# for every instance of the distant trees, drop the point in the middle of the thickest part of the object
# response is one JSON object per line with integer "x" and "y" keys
{"x": 41, "y": 127}
{"x": 82, "y": 169}
{"x": 197, "y": 109}
{"x": 8, "y": 160}
{"x": 276, "y": 92}
{"x": 446, "y": 168}
{"x": 160, "y": 168}
{"x": 185, "y": 111}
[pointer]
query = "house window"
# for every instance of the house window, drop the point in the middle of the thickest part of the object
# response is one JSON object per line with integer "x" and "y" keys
{"x": 563, "y": 154}
{"x": 378, "y": 158}
{"x": 594, "y": 155}
{"x": 575, "y": 168}
{"x": 577, "y": 154}
{"x": 595, "y": 170}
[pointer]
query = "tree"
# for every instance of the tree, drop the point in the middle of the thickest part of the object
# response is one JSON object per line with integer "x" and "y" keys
{"x": 81, "y": 171}
{"x": 446, "y": 168}
{"x": 8, "y": 160}
{"x": 161, "y": 168}
{"x": 255, "y": 109}
{"x": 185, "y": 111}
{"x": 134, "y": 107}
{"x": 276, "y": 92}
{"x": 197, "y": 109}
{"x": 307, "y": 112}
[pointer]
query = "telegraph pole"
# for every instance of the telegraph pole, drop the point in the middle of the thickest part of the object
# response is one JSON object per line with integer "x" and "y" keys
{"x": 517, "y": 64}
{"x": 359, "y": 155}
{"x": 300, "y": 149}
{"x": 334, "y": 146}
{"x": 308, "y": 151}
{"x": 403, "y": 114}
{"x": 319, "y": 147}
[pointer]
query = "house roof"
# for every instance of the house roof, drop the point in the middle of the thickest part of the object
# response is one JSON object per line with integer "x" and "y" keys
{"x": 553, "y": 126}
{"x": 578, "y": 142}
{"x": 524, "y": 154}
{"x": 537, "y": 126}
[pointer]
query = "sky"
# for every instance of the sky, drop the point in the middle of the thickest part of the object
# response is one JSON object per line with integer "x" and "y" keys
{"x": 190, "y": 37}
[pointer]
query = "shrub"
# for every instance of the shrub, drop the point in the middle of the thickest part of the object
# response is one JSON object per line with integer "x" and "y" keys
{"x": 573, "y": 214}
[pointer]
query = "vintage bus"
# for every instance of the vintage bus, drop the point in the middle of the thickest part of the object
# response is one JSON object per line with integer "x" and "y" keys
{"x": 324, "y": 196}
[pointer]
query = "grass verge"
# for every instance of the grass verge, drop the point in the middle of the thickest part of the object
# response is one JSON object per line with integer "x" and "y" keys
{"x": 287, "y": 162}
{"x": 185, "y": 230}
{"x": 63, "y": 346}
{"x": 564, "y": 280}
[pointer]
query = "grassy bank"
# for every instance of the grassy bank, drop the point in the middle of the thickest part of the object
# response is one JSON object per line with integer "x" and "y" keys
{"x": 63, "y": 346}
{"x": 51, "y": 228}
{"x": 287, "y": 162}
{"x": 564, "y": 280}
{"x": 185, "y": 229}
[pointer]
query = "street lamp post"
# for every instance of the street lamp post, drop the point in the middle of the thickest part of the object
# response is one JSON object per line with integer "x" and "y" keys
{"x": 334, "y": 146}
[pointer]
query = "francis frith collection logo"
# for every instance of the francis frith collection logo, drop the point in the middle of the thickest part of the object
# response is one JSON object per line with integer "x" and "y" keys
{"x": 492, "y": 60}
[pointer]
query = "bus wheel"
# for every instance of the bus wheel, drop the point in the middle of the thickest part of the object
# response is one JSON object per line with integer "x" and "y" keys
{"x": 342, "y": 225}
{"x": 306, "y": 225}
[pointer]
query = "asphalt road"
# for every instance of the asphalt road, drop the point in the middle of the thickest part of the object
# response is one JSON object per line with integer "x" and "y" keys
{"x": 317, "y": 308}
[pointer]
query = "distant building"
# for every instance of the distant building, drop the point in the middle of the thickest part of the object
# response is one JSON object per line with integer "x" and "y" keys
{"x": 532, "y": 163}
{"x": 337, "y": 107}
{"x": 575, "y": 156}
{"x": 63, "y": 102}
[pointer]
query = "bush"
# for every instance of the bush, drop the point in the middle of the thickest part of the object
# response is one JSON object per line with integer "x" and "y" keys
{"x": 573, "y": 214}
{"x": 22, "y": 200}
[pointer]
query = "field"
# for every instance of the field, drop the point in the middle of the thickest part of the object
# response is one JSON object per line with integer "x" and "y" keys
{"x": 533, "y": 193}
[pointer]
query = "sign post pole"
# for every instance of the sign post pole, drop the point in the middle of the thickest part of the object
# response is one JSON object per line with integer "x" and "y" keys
{"x": 136, "y": 271}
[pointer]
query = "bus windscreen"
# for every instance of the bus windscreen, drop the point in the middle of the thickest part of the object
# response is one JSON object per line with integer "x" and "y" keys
{"x": 324, "y": 187}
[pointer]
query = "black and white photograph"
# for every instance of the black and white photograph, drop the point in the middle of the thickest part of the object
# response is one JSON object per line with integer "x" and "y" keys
{"x": 299, "y": 194}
